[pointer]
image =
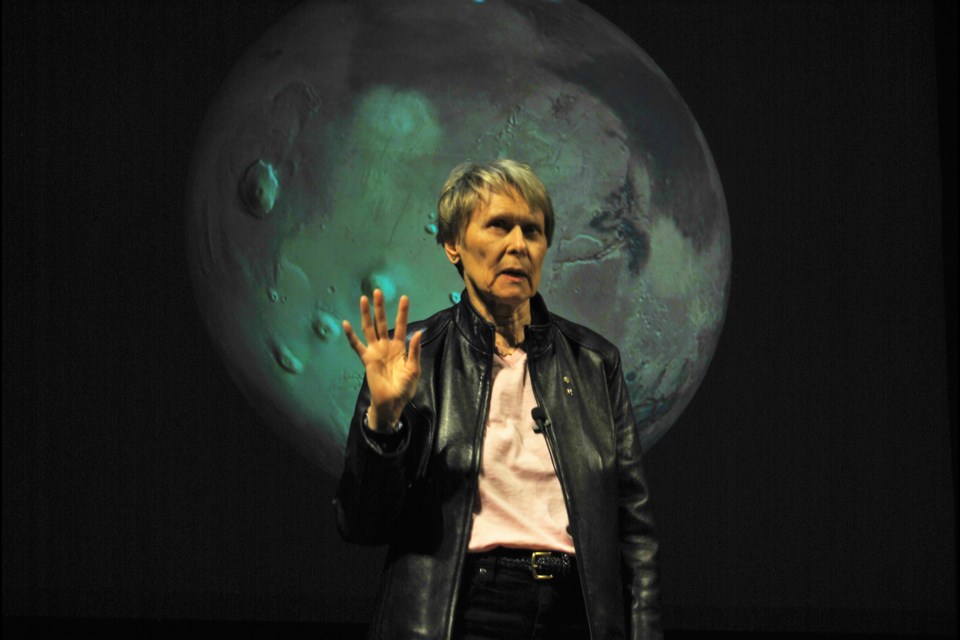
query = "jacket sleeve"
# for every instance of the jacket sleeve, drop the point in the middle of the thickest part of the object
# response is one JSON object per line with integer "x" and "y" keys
{"x": 378, "y": 472}
{"x": 638, "y": 547}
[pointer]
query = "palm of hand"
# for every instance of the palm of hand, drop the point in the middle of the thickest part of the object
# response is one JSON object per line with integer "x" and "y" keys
{"x": 392, "y": 371}
{"x": 390, "y": 374}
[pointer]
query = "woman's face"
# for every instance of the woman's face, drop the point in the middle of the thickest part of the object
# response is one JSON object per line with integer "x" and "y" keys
{"x": 501, "y": 251}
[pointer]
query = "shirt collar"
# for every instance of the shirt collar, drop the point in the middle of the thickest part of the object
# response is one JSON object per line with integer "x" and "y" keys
{"x": 481, "y": 334}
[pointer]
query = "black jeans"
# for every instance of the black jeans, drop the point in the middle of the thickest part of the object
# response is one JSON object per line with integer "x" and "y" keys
{"x": 506, "y": 603}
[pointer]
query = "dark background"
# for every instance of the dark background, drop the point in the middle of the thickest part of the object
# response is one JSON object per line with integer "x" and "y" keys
{"x": 809, "y": 487}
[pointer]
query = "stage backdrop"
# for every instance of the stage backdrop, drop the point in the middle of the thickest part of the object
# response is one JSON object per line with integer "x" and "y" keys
{"x": 806, "y": 487}
{"x": 316, "y": 173}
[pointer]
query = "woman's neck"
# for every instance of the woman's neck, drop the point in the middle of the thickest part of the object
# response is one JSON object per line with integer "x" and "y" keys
{"x": 510, "y": 330}
{"x": 508, "y": 321}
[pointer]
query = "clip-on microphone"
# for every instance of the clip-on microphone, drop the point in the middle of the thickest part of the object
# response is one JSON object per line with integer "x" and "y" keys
{"x": 540, "y": 418}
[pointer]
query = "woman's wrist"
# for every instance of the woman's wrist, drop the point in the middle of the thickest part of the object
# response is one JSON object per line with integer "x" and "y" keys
{"x": 381, "y": 421}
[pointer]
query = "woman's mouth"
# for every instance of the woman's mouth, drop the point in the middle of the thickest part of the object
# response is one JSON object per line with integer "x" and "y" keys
{"x": 514, "y": 275}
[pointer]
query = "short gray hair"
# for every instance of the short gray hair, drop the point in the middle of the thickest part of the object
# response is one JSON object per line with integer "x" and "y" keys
{"x": 467, "y": 184}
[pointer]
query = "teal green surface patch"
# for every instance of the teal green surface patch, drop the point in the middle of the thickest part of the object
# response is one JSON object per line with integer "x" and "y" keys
{"x": 400, "y": 116}
{"x": 380, "y": 281}
{"x": 326, "y": 326}
{"x": 391, "y": 122}
{"x": 381, "y": 152}
{"x": 287, "y": 361}
{"x": 259, "y": 188}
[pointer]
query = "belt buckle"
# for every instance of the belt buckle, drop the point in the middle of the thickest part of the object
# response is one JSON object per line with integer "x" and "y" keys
{"x": 534, "y": 569}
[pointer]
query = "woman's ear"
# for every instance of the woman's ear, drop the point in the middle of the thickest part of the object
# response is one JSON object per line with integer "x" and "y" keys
{"x": 452, "y": 251}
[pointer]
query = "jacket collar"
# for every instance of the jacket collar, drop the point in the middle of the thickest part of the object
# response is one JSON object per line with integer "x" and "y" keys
{"x": 538, "y": 336}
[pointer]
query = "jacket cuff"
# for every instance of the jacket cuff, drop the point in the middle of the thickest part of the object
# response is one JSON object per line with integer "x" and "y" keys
{"x": 387, "y": 444}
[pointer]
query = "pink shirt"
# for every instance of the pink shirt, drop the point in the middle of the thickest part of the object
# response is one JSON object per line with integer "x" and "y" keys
{"x": 520, "y": 500}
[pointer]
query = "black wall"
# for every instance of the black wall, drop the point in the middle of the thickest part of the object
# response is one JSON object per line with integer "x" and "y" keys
{"x": 809, "y": 486}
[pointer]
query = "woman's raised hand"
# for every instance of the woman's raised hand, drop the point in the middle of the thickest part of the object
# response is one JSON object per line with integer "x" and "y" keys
{"x": 392, "y": 371}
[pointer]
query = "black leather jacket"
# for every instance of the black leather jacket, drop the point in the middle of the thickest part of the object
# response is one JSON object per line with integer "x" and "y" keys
{"x": 416, "y": 489}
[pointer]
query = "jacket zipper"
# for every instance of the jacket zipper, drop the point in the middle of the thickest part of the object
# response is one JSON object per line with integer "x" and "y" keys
{"x": 474, "y": 475}
{"x": 550, "y": 437}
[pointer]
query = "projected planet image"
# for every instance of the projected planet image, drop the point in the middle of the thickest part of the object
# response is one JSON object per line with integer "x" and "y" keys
{"x": 318, "y": 166}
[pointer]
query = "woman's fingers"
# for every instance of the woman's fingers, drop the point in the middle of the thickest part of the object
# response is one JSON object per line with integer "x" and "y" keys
{"x": 374, "y": 326}
{"x": 380, "y": 314}
{"x": 352, "y": 338}
{"x": 366, "y": 324}
{"x": 400, "y": 330}
{"x": 413, "y": 356}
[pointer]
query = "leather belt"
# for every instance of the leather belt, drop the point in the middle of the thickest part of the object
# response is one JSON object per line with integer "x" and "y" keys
{"x": 543, "y": 565}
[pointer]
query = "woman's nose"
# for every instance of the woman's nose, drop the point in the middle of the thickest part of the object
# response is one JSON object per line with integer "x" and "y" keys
{"x": 515, "y": 240}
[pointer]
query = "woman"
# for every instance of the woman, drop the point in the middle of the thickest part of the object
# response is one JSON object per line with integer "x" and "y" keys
{"x": 493, "y": 446}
